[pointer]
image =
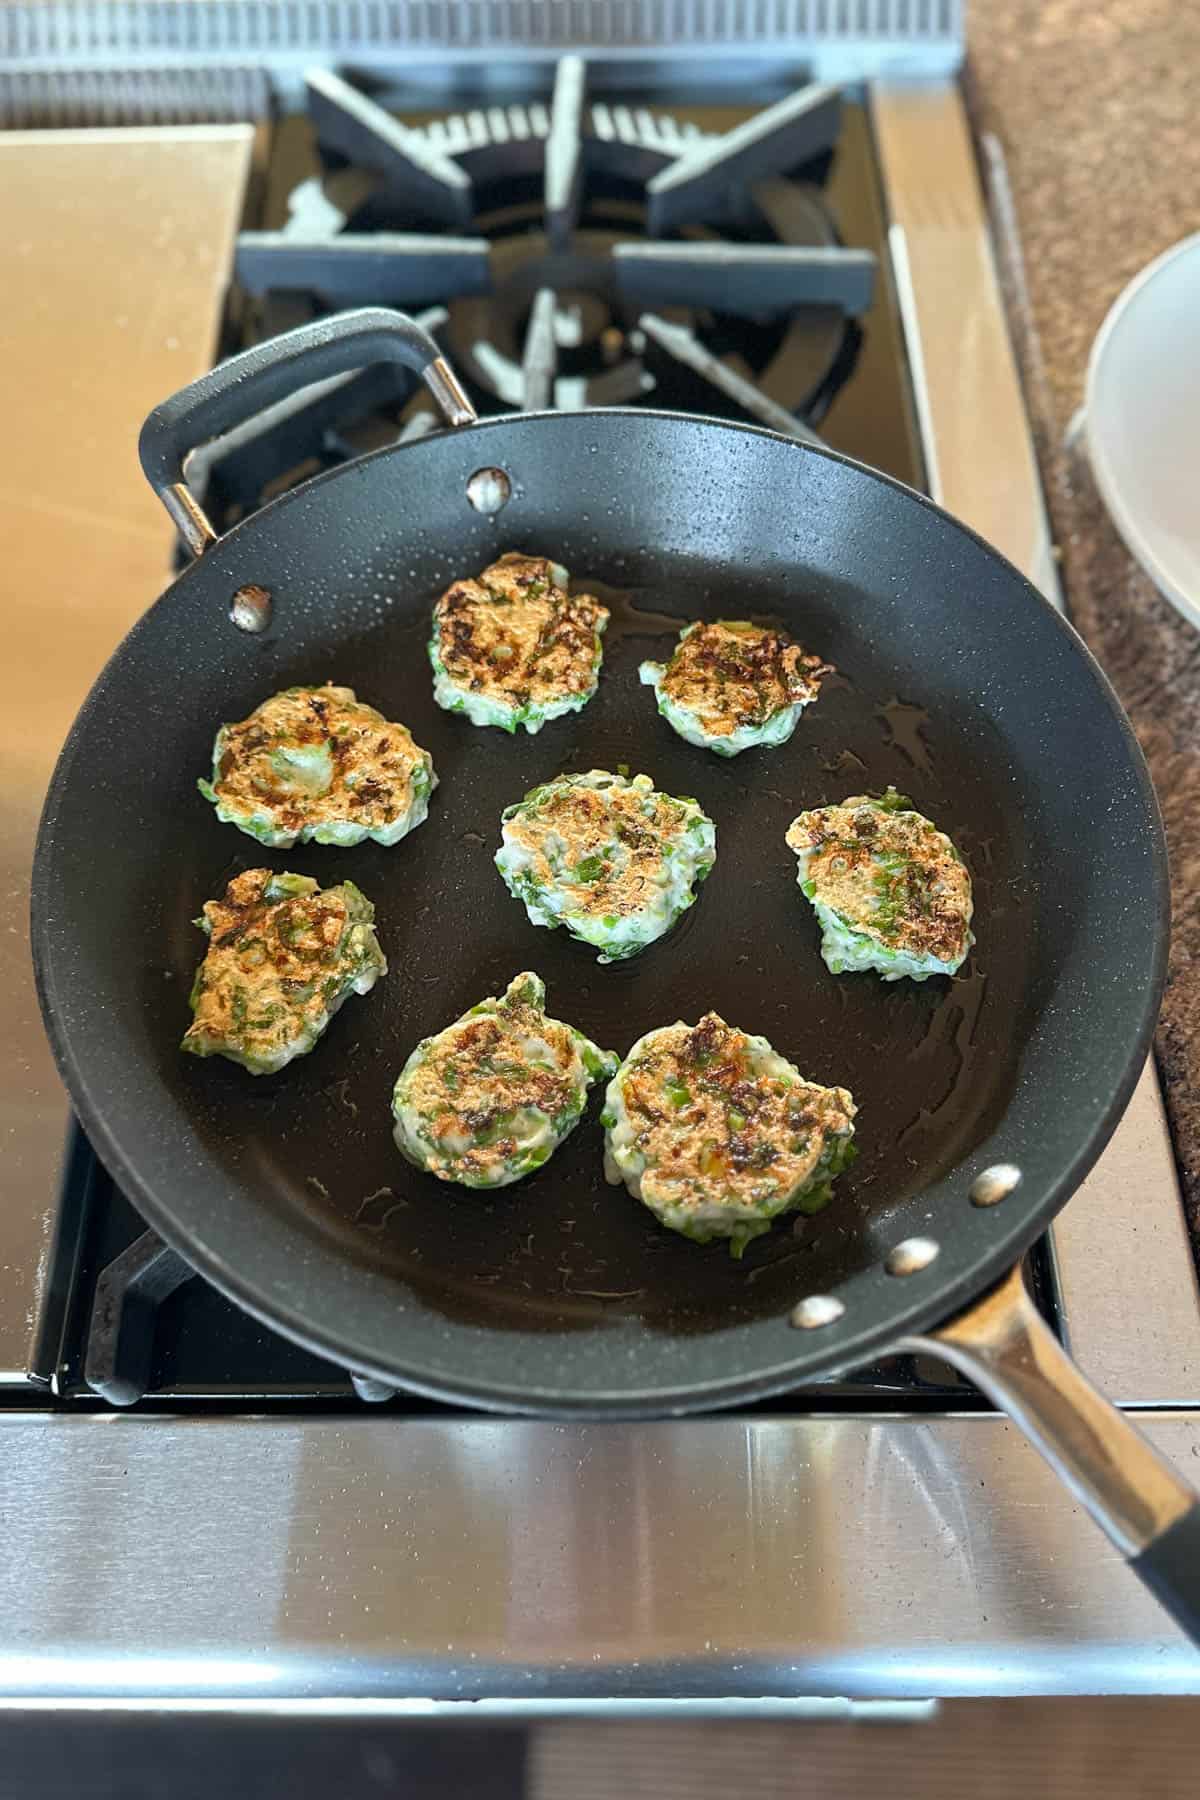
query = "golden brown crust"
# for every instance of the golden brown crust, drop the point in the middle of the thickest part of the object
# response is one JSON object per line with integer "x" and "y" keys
{"x": 263, "y": 980}
{"x": 477, "y": 1073}
{"x": 371, "y": 760}
{"x": 699, "y": 1110}
{"x": 586, "y": 821}
{"x": 732, "y": 675}
{"x": 515, "y": 634}
{"x": 889, "y": 872}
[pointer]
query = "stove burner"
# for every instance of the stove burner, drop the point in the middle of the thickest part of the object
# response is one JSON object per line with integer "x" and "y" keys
{"x": 138, "y": 1323}
{"x": 130, "y": 1292}
{"x": 574, "y": 219}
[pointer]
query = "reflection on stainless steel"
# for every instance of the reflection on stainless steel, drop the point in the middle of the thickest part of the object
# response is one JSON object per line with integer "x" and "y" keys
{"x": 489, "y": 491}
{"x": 911, "y": 1256}
{"x": 964, "y": 370}
{"x": 1122, "y": 1236}
{"x": 124, "y": 240}
{"x": 451, "y": 1559}
{"x": 995, "y": 1184}
{"x": 1006, "y": 1347}
{"x": 448, "y": 395}
{"x": 816, "y": 1310}
{"x": 188, "y": 517}
{"x": 250, "y": 608}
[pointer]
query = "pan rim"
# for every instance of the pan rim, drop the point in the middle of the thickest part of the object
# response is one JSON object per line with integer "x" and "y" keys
{"x": 913, "y": 1306}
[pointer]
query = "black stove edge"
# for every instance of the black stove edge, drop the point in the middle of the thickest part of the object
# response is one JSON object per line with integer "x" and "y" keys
{"x": 101, "y": 1242}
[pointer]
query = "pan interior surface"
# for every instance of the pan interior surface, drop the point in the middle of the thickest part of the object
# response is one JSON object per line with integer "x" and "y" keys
{"x": 954, "y": 683}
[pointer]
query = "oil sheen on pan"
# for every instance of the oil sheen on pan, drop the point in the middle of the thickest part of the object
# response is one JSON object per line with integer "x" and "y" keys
{"x": 563, "y": 1248}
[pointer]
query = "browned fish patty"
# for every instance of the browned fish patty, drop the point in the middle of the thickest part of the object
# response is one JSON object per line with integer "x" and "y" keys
{"x": 283, "y": 955}
{"x": 717, "y": 1133}
{"x": 890, "y": 889}
{"x": 730, "y": 685}
{"x": 513, "y": 647}
{"x": 317, "y": 764}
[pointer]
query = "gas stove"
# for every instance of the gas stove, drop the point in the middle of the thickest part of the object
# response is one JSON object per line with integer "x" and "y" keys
{"x": 798, "y": 240}
{"x": 718, "y": 259}
{"x": 579, "y": 251}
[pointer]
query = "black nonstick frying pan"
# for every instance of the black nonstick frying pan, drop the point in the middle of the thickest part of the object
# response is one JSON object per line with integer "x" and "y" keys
{"x": 983, "y": 1101}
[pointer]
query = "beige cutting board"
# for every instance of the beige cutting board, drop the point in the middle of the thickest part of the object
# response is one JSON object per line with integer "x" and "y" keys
{"x": 116, "y": 252}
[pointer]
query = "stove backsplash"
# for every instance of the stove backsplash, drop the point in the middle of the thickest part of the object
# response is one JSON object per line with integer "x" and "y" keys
{"x": 443, "y": 43}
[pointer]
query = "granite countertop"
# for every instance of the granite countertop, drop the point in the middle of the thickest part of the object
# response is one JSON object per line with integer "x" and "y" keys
{"x": 1093, "y": 111}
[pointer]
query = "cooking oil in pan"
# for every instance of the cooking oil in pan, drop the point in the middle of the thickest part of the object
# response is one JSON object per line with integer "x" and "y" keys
{"x": 931, "y": 1065}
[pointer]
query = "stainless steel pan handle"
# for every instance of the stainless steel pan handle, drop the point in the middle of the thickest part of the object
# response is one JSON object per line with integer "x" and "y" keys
{"x": 270, "y": 372}
{"x": 1135, "y": 1496}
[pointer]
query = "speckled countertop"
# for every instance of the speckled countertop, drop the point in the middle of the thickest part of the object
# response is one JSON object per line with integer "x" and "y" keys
{"x": 1094, "y": 111}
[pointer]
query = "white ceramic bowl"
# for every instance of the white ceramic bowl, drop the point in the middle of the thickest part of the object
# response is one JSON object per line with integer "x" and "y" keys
{"x": 1143, "y": 421}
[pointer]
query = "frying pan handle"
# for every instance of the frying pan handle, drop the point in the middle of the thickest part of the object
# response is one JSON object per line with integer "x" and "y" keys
{"x": 1135, "y": 1496}
{"x": 270, "y": 372}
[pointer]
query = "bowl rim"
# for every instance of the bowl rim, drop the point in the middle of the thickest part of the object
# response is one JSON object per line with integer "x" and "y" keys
{"x": 1125, "y": 518}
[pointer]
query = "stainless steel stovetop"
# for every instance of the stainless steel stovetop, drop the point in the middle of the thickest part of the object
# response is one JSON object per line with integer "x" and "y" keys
{"x": 253, "y": 1530}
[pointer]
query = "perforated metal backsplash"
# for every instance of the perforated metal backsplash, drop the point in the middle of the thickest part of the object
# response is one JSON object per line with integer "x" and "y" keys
{"x": 55, "y": 99}
{"x": 839, "y": 39}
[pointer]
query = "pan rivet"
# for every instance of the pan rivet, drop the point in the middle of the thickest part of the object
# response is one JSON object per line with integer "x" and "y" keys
{"x": 817, "y": 1309}
{"x": 489, "y": 491}
{"x": 911, "y": 1256}
{"x": 995, "y": 1184}
{"x": 250, "y": 609}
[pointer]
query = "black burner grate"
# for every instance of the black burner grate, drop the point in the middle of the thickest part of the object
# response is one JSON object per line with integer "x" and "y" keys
{"x": 137, "y": 1325}
{"x": 574, "y": 253}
